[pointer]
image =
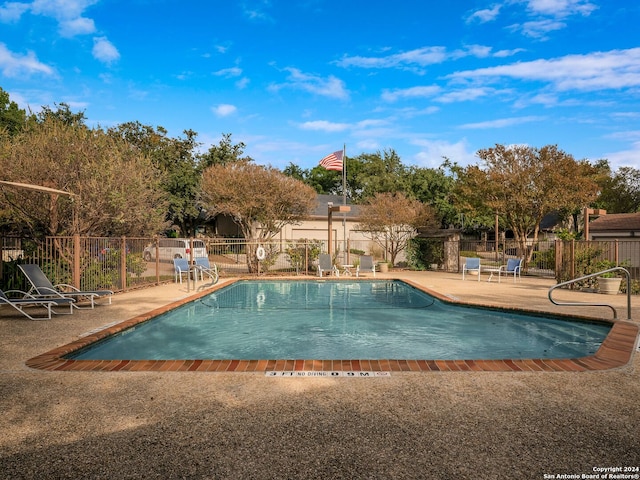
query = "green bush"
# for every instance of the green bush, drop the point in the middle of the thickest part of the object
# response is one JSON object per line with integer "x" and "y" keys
{"x": 423, "y": 252}
{"x": 303, "y": 250}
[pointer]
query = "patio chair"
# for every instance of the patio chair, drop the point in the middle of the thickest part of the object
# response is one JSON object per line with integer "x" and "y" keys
{"x": 180, "y": 268}
{"x": 512, "y": 267}
{"x": 27, "y": 300}
{"x": 366, "y": 265}
{"x": 471, "y": 265}
{"x": 325, "y": 265}
{"x": 204, "y": 268}
{"x": 43, "y": 288}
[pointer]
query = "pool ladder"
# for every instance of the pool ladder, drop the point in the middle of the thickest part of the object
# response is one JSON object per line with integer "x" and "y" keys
{"x": 589, "y": 304}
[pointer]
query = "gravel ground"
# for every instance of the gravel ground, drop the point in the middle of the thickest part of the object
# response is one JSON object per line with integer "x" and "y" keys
{"x": 246, "y": 426}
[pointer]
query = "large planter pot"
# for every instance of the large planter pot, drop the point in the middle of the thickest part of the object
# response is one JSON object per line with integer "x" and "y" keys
{"x": 609, "y": 286}
{"x": 383, "y": 267}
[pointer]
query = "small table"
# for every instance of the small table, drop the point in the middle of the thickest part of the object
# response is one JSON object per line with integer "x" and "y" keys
{"x": 491, "y": 272}
{"x": 346, "y": 269}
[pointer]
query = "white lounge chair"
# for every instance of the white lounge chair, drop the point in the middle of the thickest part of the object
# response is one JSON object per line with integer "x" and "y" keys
{"x": 43, "y": 287}
{"x": 471, "y": 265}
{"x": 27, "y": 300}
{"x": 366, "y": 265}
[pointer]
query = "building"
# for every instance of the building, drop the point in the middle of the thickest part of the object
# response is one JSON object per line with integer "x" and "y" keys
{"x": 624, "y": 230}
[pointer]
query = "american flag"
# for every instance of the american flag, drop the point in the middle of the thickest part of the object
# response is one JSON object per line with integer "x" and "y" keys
{"x": 333, "y": 161}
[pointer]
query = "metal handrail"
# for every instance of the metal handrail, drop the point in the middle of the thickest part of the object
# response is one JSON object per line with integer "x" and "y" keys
{"x": 587, "y": 304}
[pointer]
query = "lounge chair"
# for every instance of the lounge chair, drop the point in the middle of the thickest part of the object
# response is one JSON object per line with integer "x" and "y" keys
{"x": 43, "y": 288}
{"x": 325, "y": 265}
{"x": 27, "y": 300}
{"x": 512, "y": 267}
{"x": 204, "y": 267}
{"x": 180, "y": 268}
{"x": 471, "y": 265}
{"x": 366, "y": 265}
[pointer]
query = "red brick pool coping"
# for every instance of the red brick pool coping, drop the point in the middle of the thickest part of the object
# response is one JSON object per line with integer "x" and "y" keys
{"x": 616, "y": 351}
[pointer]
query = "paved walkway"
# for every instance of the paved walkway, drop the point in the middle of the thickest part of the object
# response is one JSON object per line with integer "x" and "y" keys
{"x": 445, "y": 425}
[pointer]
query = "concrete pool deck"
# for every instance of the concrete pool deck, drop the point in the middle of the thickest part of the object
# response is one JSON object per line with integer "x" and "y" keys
{"x": 227, "y": 425}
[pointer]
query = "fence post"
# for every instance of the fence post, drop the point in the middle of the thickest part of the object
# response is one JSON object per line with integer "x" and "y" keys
{"x": 306, "y": 257}
{"x": 559, "y": 244}
{"x": 157, "y": 259}
{"x": 76, "y": 260}
{"x": 123, "y": 263}
{"x": 572, "y": 261}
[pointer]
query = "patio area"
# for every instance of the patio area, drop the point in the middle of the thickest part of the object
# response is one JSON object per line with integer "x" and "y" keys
{"x": 246, "y": 425}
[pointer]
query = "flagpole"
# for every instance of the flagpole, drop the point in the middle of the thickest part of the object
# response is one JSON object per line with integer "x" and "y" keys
{"x": 344, "y": 173}
{"x": 345, "y": 253}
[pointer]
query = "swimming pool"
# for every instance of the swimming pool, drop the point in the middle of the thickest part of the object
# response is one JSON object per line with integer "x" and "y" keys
{"x": 336, "y": 320}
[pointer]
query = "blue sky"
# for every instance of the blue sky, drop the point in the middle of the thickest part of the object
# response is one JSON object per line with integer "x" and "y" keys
{"x": 296, "y": 79}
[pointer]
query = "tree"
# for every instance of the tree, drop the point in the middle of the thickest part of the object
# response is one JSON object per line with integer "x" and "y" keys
{"x": 294, "y": 171}
{"x": 620, "y": 191}
{"x": 224, "y": 153}
{"x": 433, "y": 187}
{"x": 12, "y": 118}
{"x": 63, "y": 114}
{"x": 380, "y": 172}
{"x": 175, "y": 159}
{"x": 522, "y": 184}
{"x": 392, "y": 219}
{"x": 324, "y": 181}
{"x": 261, "y": 200}
{"x": 367, "y": 174}
{"x": 117, "y": 187}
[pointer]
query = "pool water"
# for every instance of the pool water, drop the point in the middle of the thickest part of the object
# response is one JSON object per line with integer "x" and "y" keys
{"x": 331, "y": 320}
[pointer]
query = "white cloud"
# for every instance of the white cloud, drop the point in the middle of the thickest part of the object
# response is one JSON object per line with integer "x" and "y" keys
{"x": 502, "y": 122}
{"x": 616, "y": 69}
{"x": 625, "y": 158}
{"x": 242, "y": 83}
{"x": 368, "y": 145}
{"x": 485, "y": 15}
{"x": 326, "y": 87}
{"x": 68, "y": 13}
{"x": 224, "y": 110}
{"x": 465, "y": 95}
{"x": 76, "y": 26}
{"x": 104, "y": 51}
{"x": 61, "y": 9}
{"x": 421, "y": 57}
{"x": 325, "y": 126}
{"x": 543, "y": 16}
{"x": 561, "y": 8}
{"x": 412, "y": 92}
{"x": 415, "y": 60}
{"x": 508, "y": 53}
{"x": 14, "y": 65}
{"x": 432, "y": 153}
{"x": 257, "y": 11}
{"x": 539, "y": 28}
{"x": 12, "y": 11}
{"x": 229, "y": 72}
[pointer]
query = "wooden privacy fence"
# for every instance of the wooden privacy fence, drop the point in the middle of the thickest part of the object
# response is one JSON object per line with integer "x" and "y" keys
{"x": 578, "y": 258}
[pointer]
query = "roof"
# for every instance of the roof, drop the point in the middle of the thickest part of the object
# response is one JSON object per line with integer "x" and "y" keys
{"x": 616, "y": 222}
{"x": 321, "y": 208}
